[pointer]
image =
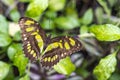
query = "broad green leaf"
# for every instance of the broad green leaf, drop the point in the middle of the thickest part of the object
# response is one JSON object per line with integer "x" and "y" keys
{"x": 14, "y": 49}
{"x": 3, "y": 24}
{"x": 70, "y": 9}
{"x": 107, "y": 32}
{"x": 88, "y": 17}
{"x": 4, "y": 40}
{"x": 65, "y": 66}
{"x": 115, "y": 76}
{"x": 4, "y": 69}
{"x": 17, "y": 36}
{"x": 56, "y": 5}
{"x": 83, "y": 29}
{"x": 21, "y": 62}
{"x": 99, "y": 15}
{"x": 14, "y": 14}
{"x": 48, "y": 24}
{"x": 71, "y": 12}
{"x": 67, "y": 23}
{"x": 26, "y": 77}
{"x": 10, "y": 75}
{"x": 105, "y": 67}
{"x": 112, "y": 2}
{"x": 103, "y": 3}
{"x": 36, "y": 7}
{"x": 51, "y": 14}
{"x": 82, "y": 71}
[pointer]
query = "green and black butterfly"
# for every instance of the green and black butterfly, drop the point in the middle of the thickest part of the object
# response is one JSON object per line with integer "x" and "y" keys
{"x": 37, "y": 46}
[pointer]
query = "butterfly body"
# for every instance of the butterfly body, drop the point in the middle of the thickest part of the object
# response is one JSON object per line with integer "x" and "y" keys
{"x": 37, "y": 46}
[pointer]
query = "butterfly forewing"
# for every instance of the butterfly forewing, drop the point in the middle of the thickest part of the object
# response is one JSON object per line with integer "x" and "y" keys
{"x": 33, "y": 38}
{"x": 59, "y": 48}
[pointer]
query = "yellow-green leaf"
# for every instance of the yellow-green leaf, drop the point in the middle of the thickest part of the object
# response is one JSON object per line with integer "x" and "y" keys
{"x": 26, "y": 77}
{"x": 36, "y": 7}
{"x": 56, "y": 5}
{"x": 65, "y": 66}
{"x": 105, "y": 67}
{"x": 21, "y": 62}
{"x": 107, "y": 32}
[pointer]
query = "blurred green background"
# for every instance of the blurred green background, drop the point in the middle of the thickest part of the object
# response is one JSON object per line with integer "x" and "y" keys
{"x": 95, "y": 22}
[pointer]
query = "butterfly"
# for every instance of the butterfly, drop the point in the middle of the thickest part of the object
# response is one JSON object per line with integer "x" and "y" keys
{"x": 37, "y": 46}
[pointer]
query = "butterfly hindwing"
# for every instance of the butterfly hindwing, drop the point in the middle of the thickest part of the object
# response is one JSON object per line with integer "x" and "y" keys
{"x": 33, "y": 38}
{"x": 59, "y": 48}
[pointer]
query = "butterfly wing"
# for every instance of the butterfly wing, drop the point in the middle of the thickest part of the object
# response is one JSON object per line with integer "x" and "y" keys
{"x": 59, "y": 48}
{"x": 33, "y": 38}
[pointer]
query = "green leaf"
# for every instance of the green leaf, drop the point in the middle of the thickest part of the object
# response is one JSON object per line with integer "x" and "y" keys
{"x": 4, "y": 40}
{"x": 21, "y": 62}
{"x": 88, "y": 17}
{"x": 17, "y": 36}
{"x": 83, "y": 72}
{"x": 115, "y": 76}
{"x": 112, "y": 2}
{"x": 107, "y": 32}
{"x": 67, "y": 23}
{"x": 36, "y": 7}
{"x": 56, "y": 5}
{"x": 4, "y": 69}
{"x": 105, "y": 67}
{"x": 83, "y": 29}
{"x": 3, "y": 25}
{"x": 14, "y": 49}
{"x": 103, "y": 3}
{"x": 15, "y": 16}
{"x": 10, "y": 75}
{"x": 48, "y": 24}
{"x": 71, "y": 11}
{"x": 51, "y": 14}
{"x": 26, "y": 77}
{"x": 99, "y": 15}
{"x": 65, "y": 66}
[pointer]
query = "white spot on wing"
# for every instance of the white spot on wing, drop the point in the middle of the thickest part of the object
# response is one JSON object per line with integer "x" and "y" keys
{"x": 25, "y": 38}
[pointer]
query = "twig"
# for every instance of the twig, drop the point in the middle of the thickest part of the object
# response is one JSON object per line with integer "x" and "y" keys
{"x": 86, "y": 35}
